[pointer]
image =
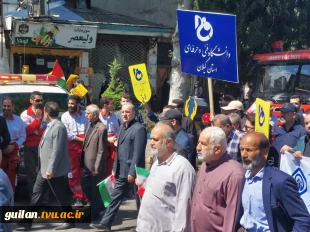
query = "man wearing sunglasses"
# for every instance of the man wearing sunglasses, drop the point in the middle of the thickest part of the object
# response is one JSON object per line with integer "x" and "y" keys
{"x": 35, "y": 126}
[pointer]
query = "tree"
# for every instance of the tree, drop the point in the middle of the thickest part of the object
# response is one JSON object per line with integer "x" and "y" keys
{"x": 179, "y": 82}
{"x": 115, "y": 88}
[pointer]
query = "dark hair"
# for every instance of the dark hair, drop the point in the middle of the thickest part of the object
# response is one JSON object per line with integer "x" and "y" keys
{"x": 52, "y": 109}
{"x": 76, "y": 98}
{"x": 170, "y": 107}
{"x": 126, "y": 96}
{"x": 104, "y": 100}
{"x": 224, "y": 119}
{"x": 35, "y": 93}
{"x": 264, "y": 143}
{"x": 251, "y": 118}
{"x": 8, "y": 98}
{"x": 296, "y": 96}
{"x": 179, "y": 102}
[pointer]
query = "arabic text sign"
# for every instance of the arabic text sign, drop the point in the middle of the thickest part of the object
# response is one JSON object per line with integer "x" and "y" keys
{"x": 208, "y": 44}
{"x": 140, "y": 82}
{"x": 54, "y": 35}
{"x": 262, "y": 117}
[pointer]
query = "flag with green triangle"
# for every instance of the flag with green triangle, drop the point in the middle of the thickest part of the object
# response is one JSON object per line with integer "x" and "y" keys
{"x": 57, "y": 71}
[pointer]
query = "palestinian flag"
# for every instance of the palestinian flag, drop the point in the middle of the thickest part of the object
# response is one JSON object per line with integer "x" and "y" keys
{"x": 57, "y": 71}
{"x": 142, "y": 175}
{"x": 105, "y": 188}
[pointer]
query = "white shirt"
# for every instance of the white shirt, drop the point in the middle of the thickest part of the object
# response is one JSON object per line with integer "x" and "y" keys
{"x": 167, "y": 198}
{"x": 75, "y": 125}
{"x": 17, "y": 129}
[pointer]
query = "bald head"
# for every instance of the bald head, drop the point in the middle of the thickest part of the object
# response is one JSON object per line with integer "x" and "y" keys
{"x": 162, "y": 141}
{"x": 258, "y": 138}
{"x": 254, "y": 148}
{"x": 165, "y": 130}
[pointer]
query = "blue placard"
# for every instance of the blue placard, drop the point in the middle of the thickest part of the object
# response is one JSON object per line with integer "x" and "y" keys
{"x": 208, "y": 44}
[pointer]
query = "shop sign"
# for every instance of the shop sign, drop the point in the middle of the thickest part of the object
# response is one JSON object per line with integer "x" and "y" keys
{"x": 54, "y": 35}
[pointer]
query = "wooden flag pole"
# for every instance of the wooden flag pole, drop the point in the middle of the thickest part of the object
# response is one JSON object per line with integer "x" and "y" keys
{"x": 211, "y": 100}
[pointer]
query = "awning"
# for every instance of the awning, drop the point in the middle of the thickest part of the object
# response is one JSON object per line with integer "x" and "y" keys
{"x": 44, "y": 51}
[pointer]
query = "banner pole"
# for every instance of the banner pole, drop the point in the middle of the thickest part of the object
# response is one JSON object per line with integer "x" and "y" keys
{"x": 211, "y": 101}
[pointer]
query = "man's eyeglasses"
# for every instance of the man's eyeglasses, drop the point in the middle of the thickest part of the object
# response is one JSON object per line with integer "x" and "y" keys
{"x": 248, "y": 128}
{"x": 38, "y": 100}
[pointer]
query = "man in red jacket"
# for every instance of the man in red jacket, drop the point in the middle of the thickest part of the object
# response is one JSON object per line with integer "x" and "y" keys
{"x": 35, "y": 126}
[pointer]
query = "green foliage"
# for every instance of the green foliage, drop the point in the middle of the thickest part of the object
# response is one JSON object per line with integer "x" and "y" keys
{"x": 115, "y": 88}
{"x": 261, "y": 22}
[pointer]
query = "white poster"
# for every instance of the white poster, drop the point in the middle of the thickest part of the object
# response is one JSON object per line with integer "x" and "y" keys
{"x": 299, "y": 169}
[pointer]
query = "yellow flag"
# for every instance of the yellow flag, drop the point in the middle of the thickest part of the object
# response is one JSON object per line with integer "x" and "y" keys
{"x": 69, "y": 82}
{"x": 262, "y": 117}
{"x": 140, "y": 82}
{"x": 79, "y": 90}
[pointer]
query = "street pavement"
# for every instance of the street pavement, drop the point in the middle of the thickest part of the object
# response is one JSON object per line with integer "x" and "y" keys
{"x": 125, "y": 220}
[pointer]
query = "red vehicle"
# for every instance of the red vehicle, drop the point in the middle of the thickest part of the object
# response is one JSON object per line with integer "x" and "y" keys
{"x": 280, "y": 75}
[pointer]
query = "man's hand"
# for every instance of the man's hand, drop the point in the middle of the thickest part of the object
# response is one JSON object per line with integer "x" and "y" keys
{"x": 8, "y": 149}
{"x": 113, "y": 174}
{"x": 112, "y": 139}
{"x": 49, "y": 175}
{"x": 131, "y": 179}
{"x": 94, "y": 173}
{"x": 298, "y": 154}
{"x": 285, "y": 148}
{"x": 38, "y": 114}
{"x": 79, "y": 139}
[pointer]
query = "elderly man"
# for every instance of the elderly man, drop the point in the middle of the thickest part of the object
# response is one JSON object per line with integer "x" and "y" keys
{"x": 131, "y": 145}
{"x": 235, "y": 107}
{"x": 218, "y": 183}
{"x": 270, "y": 200}
{"x": 182, "y": 138}
{"x": 235, "y": 121}
{"x": 233, "y": 136}
{"x": 94, "y": 159}
{"x": 168, "y": 192}
{"x": 289, "y": 133}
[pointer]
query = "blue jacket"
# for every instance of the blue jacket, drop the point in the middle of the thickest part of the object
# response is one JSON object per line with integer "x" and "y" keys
{"x": 301, "y": 145}
{"x": 285, "y": 210}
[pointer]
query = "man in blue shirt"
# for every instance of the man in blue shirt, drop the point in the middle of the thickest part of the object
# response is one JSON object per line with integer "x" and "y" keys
{"x": 290, "y": 132}
{"x": 270, "y": 200}
{"x": 182, "y": 137}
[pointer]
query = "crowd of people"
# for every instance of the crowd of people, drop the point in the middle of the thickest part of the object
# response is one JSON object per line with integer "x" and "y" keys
{"x": 238, "y": 186}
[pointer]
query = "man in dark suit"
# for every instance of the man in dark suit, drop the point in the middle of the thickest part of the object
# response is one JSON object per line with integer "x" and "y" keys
{"x": 54, "y": 166}
{"x": 270, "y": 200}
{"x": 130, "y": 153}
{"x": 94, "y": 159}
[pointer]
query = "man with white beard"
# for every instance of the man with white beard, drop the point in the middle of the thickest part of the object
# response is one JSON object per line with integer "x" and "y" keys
{"x": 218, "y": 182}
{"x": 167, "y": 198}
{"x": 270, "y": 200}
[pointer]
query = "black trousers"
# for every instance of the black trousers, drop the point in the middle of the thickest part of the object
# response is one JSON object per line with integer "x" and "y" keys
{"x": 90, "y": 188}
{"x": 32, "y": 162}
{"x": 57, "y": 186}
{"x": 118, "y": 194}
